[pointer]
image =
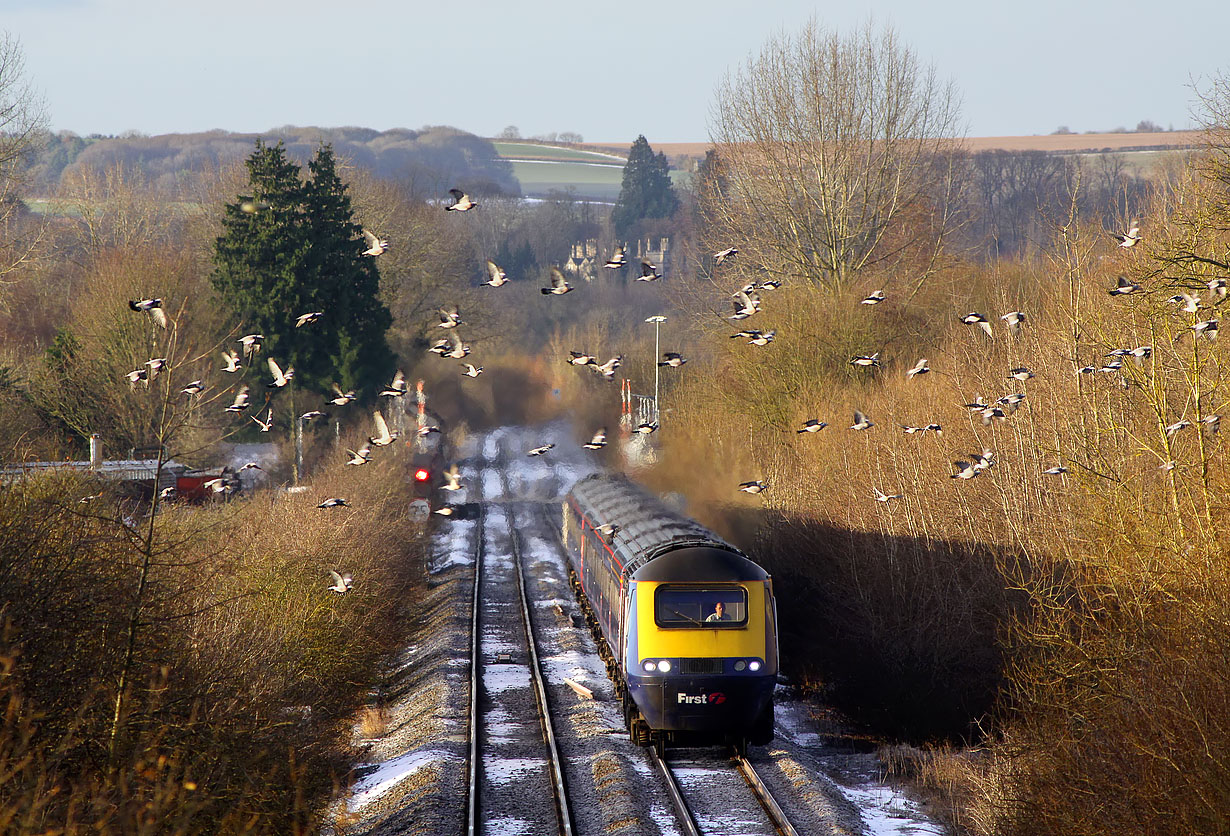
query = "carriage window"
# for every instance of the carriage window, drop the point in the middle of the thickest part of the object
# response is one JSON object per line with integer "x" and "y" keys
{"x": 697, "y": 606}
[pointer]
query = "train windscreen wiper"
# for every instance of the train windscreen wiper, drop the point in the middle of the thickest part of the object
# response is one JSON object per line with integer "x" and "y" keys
{"x": 695, "y": 621}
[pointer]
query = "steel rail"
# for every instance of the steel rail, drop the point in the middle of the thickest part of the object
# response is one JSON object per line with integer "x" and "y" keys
{"x": 562, "y": 810}
{"x": 765, "y": 797}
{"x": 475, "y": 672}
{"x": 686, "y": 819}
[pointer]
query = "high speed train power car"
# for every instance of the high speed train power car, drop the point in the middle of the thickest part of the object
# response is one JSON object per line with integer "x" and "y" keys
{"x": 686, "y": 622}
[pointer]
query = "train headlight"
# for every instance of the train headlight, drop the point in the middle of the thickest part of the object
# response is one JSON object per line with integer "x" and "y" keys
{"x": 664, "y": 666}
{"x": 421, "y": 475}
{"x": 740, "y": 665}
{"x": 649, "y": 665}
{"x": 754, "y": 665}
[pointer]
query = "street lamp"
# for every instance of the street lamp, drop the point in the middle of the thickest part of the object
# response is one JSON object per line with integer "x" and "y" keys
{"x": 657, "y": 324}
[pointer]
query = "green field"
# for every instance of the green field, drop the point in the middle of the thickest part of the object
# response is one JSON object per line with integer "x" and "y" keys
{"x": 534, "y": 151}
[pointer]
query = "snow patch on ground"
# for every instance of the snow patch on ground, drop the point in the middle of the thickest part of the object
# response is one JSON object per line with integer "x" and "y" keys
{"x": 392, "y": 772}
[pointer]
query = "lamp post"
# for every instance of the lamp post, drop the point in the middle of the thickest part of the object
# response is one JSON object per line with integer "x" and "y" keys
{"x": 657, "y": 324}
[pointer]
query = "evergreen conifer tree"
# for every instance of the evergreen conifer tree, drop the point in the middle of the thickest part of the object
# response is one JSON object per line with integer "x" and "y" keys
{"x": 292, "y": 247}
{"x": 646, "y": 190}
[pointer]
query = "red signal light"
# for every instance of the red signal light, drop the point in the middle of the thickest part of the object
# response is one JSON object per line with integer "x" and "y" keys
{"x": 421, "y": 475}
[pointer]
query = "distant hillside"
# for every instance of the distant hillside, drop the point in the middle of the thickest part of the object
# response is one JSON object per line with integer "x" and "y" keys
{"x": 431, "y": 160}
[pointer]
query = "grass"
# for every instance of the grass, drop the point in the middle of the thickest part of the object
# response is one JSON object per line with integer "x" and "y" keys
{"x": 530, "y": 150}
{"x": 591, "y": 181}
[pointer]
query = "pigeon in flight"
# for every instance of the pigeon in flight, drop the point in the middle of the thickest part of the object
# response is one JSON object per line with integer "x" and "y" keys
{"x": 1014, "y": 320}
{"x": 445, "y": 511}
{"x": 920, "y": 367}
{"x": 538, "y": 451}
{"x": 1189, "y": 301}
{"x": 1055, "y": 471}
{"x": 607, "y": 531}
{"x": 649, "y": 273}
{"x": 452, "y": 478}
{"x": 769, "y": 284}
{"x": 137, "y": 375}
{"x": 397, "y": 387}
{"x": 280, "y": 378}
{"x": 1218, "y": 288}
{"x": 341, "y": 398}
{"x": 1206, "y": 329}
{"x": 975, "y": 318}
{"x": 1130, "y": 238}
{"x": 265, "y": 425}
{"x": 153, "y": 307}
{"x": 745, "y": 305}
{"x": 1123, "y": 287}
{"x": 361, "y": 456}
{"x": 308, "y": 318}
{"x": 965, "y": 470}
{"x": 580, "y": 358}
{"x": 251, "y": 344}
{"x": 762, "y": 339}
{"x": 312, "y": 415}
{"x": 1176, "y": 426}
{"x": 673, "y": 359}
{"x": 456, "y": 349}
{"x": 471, "y": 370}
{"x": 333, "y": 502}
{"x": 194, "y": 388}
{"x": 497, "y": 276}
{"x": 874, "y": 298}
{"x": 382, "y": 438}
{"x": 1020, "y": 373}
{"x": 646, "y": 429}
{"x": 812, "y": 425}
{"x": 597, "y": 442}
{"x": 755, "y": 486}
{"x": 1212, "y": 423}
{"x": 729, "y": 252}
{"x": 450, "y": 317}
{"x": 375, "y": 244}
{"x": 427, "y": 429}
{"x": 607, "y": 369}
{"x": 341, "y": 583}
{"x": 866, "y": 360}
{"x": 156, "y": 365}
{"x": 861, "y": 422}
{"x": 241, "y": 400}
{"x": 461, "y": 202}
{"x": 883, "y": 497}
{"x": 231, "y": 358}
{"x": 559, "y": 284}
{"x": 617, "y": 260}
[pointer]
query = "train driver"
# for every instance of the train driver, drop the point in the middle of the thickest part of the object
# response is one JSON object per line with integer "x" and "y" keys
{"x": 718, "y": 614}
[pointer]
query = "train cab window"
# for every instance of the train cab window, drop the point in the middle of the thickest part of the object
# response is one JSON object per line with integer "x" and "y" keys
{"x": 706, "y": 607}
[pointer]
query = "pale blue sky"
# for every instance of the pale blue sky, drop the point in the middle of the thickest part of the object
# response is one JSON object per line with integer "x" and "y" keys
{"x": 608, "y": 71}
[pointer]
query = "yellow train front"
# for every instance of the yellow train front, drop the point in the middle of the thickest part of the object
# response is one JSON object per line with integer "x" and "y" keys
{"x": 687, "y": 623}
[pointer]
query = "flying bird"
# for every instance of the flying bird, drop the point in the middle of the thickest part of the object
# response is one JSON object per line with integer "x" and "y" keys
{"x": 607, "y": 369}
{"x": 397, "y": 387}
{"x": 461, "y": 202}
{"x": 265, "y": 425}
{"x": 137, "y": 375}
{"x": 755, "y": 486}
{"x": 153, "y": 307}
{"x": 333, "y": 502}
{"x": 1176, "y": 426}
{"x": 762, "y": 339}
{"x": 375, "y": 244}
{"x": 597, "y": 442}
{"x": 1212, "y": 423}
{"x": 312, "y": 415}
{"x": 920, "y": 367}
{"x": 883, "y": 497}
{"x": 1014, "y": 320}
{"x": 341, "y": 398}
{"x": 646, "y": 428}
{"x": 649, "y": 273}
{"x": 251, "y": 466}
{"x": 1206, "y": 329}
{"x": 1218, "y": 288}
{"x": 866, "y": 360}
{"x": 280, "y": 378}
{"x": 812, "y": 425}
{"x": 251, "y": 344}
{"x": 1189, "y": 301}
{"x": 538, "y": 451}
{"x": 1020, "y": 373}
{"x": 673, "y": 359}
{"x": 874, "y": 298}
{"x": 456, "y": 348}
{"x": 450, "y": 317}
{"x": 975, "y": 318}
{"x": 580, "y": 358}
{"x": 341, "y": 583}
{"x": 361, "y": 456}
{"x": 769, "y": 284}
{"x": 965, "y": 470}
{"x": 617, "y": 260}
{"x": 427, "y": 429}
{"x": 308, "y": 318}
{"x": 231, "y": 358}
{"x": 861, "y": 422}
{"x": 471, "y": 370}
{"x": 241, "y": 400}
{"x": 452, "y": 479}
{"x": 607, "y": 532}
{"x": 746, "y": 304}
{"x": 1129, "y": 238}
{"x": 729, "y": 252}
{"x": 382, "y": 438}
{"x": 496, "y": 276}
{"x": 1123, "y": 287}
{"x": 194, "y": 388}
{"x": 1055, "y": 471}
{"x": 559, "y": 284}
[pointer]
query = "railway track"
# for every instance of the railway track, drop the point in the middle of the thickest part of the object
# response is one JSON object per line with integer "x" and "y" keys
{"x": 516, "y": 775}
{"x": 709, "y": 812}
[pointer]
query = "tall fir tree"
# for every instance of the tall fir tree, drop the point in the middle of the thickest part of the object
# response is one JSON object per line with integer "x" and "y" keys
{"x": 646, "y": 190}
{"x": 292, "y": 247}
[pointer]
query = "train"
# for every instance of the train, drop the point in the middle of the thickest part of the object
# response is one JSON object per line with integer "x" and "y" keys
{"x": 686, "y": 622}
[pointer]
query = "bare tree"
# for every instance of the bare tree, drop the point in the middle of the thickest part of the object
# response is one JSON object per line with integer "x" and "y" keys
{"x": 834, "y": 154}
{"x": 22, "y": 121}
